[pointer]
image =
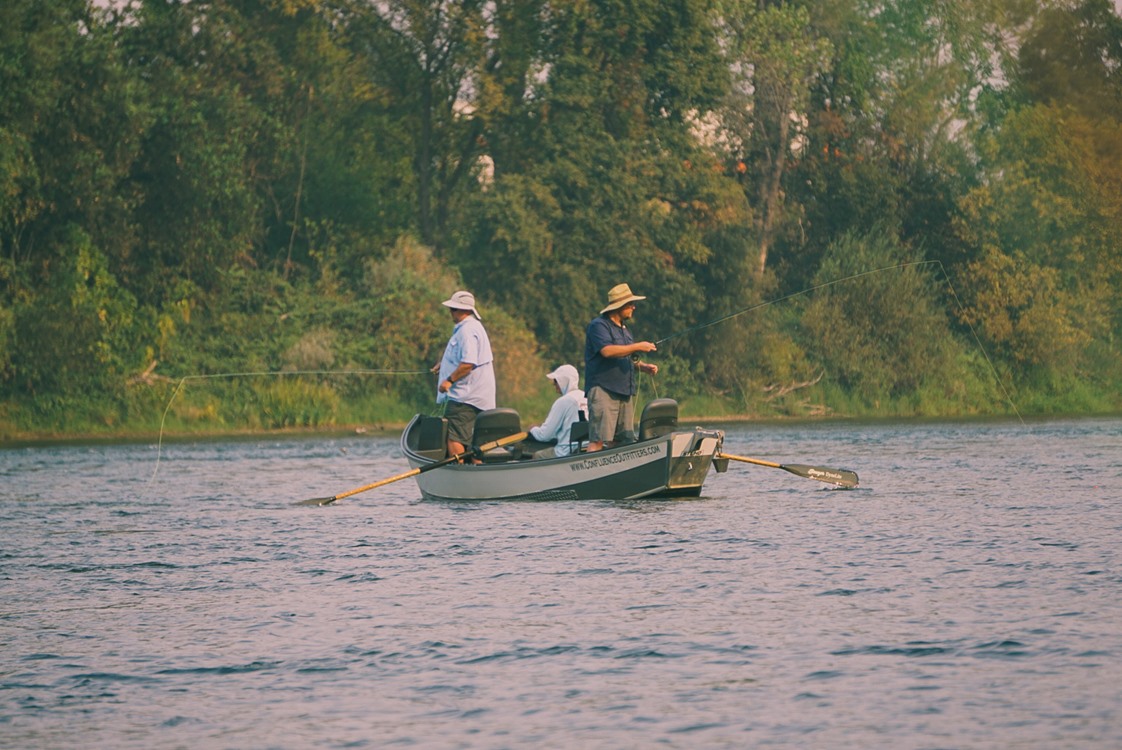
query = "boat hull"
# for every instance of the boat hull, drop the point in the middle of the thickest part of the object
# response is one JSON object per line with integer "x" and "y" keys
{"x": 671, "y": 465}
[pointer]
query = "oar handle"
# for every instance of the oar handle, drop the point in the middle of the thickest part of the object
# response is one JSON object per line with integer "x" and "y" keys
{"x": 517, "y": 437}
{"x": 745, "y": 459}
{"x": 379, "y": 483}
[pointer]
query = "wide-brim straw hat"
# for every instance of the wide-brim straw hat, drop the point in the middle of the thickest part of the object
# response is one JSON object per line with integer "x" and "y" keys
{"x": 619, "y": 296}
{"x": 463, "y": 301}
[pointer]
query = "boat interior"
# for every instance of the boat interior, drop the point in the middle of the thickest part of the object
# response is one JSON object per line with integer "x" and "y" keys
{"x": 429, "y": 435}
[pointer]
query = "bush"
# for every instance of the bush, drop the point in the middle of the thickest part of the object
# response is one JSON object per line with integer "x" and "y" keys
{"x": 880, "y": 331}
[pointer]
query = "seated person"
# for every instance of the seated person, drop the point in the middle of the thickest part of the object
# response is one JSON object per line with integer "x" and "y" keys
{"x": 566, "y": 410}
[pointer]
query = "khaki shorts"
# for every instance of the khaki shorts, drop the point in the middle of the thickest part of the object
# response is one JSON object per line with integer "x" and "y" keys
{"x": 461, "y": 421}
{"x": 611, "y": 418}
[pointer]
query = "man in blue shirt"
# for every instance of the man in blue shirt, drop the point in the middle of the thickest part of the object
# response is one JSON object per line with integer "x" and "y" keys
{"x": 467, "y": 373}
{"x": 609, "y": 373}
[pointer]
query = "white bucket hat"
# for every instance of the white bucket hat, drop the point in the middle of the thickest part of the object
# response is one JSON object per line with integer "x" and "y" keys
{"x": 463, "y": 301}
{"x": 619, "y": 296}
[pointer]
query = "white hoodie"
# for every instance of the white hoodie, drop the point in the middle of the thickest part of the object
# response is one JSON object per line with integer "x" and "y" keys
{"x": 564, "y": 411}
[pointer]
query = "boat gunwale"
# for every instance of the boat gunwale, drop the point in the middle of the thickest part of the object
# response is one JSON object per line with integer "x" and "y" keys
{"x": 419, "y": 461}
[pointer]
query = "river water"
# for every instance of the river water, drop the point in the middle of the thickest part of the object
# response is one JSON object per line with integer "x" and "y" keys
{"x": 967, "y": 595}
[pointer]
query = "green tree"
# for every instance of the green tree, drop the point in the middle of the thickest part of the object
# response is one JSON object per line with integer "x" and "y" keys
{"x": 67, "y": 132}
{"x": 426, "y": 56}
{"x": 597, "y": 177}
{"x": 775, "y": 56}
{"x": 892, "y": 122}
{"x": 194, "y": 208}
{"x": 883, "y": 337}
{"x": 70, "y": 128}
{"x": 1044, "y": 227}
{"x": 1072, "y": 55}
{"x": 74, "y": 337}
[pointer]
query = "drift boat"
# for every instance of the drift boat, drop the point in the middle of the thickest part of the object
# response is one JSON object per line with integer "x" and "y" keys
{"x": 665, "y": 462}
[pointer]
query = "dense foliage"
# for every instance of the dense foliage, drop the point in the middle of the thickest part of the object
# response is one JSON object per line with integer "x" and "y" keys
{"x": 198, "y": 195}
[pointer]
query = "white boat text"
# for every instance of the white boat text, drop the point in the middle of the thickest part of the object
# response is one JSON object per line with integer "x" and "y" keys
{"x": 615, "y": 458}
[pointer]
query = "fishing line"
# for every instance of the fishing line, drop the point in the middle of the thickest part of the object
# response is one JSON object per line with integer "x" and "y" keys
{"x": 185, "y": 378}
{"x": 978, "y": 341}
{"x": 808, "y": 290}
{"x": 897, "y": 266}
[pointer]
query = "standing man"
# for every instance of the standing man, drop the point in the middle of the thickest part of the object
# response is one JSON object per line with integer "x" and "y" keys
{"x": 467, "y": 373}
{"x": 609, "y": 374}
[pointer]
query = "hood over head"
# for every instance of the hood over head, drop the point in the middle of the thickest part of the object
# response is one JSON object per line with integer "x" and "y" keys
{"x": 566, "y": 376}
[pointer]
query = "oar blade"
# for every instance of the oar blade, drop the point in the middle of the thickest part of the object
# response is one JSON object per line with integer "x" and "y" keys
{"x": 839, "y": 477}
{"x": 318, "y": 501}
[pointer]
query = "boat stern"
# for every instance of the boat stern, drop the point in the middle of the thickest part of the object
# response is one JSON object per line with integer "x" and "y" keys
{"x": 691, "y": 456}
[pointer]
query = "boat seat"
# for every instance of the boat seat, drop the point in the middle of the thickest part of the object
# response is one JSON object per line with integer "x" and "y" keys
{"x": 660, "y": 417}
{"x": 432, "y": 437}
{"x": 492, "y": 425}
{"x": 578, "y": 433}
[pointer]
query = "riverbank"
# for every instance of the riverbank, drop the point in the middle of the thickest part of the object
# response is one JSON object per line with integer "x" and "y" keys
{"x": 31, "y": 438}
{"x": 21, "y": 439}
{"x": 13, "y": 438}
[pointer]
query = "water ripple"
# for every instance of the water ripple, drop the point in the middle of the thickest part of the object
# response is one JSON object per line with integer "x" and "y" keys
{"x": 961, "y": 606}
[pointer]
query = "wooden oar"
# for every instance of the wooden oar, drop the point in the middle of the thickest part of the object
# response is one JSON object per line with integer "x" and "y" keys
{"x": 840, "y": 477}
{"x": 508, "y": 440}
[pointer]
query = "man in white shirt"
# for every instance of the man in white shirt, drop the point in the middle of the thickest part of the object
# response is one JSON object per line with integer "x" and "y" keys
{"x": 467, "y": 373}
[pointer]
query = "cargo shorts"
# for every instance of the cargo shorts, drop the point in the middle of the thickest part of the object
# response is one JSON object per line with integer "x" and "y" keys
{"x": 611, "y": 417}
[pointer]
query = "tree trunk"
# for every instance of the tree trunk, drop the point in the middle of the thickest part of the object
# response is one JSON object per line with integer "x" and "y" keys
{"x": 771, "y": 196}
{"x": 423, "y": 165}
